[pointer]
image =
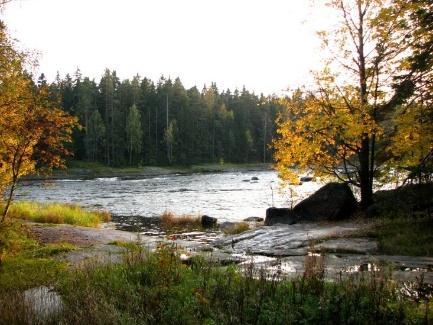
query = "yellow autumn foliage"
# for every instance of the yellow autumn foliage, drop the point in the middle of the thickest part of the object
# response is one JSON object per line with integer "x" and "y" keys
{"x": 355, "y": 123}
{"x": 33, "y": 132}
{"x": 319, "y": 135}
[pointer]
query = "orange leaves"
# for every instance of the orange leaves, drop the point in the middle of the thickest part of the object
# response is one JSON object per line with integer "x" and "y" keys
{"x": 33, "y": 133}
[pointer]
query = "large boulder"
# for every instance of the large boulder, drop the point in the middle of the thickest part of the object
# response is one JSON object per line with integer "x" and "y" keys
{"x": 334, "y": 201}
{"x": 279, "y": 215}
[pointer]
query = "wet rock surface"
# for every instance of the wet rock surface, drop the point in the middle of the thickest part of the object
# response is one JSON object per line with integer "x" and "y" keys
{"x": 284, "y": 240}
{"x": 281, "y": 250}
{"x": 77, "y": 235}
{"x": 226, "y": 226}
{"x": 348, "y": 245}
{"x": 337, "y": 266}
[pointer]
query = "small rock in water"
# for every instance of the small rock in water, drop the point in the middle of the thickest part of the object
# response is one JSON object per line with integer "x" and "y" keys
{"x": 253, "y": 219}
{"x": 306, "y": 179}
{"x": 254, "y": 178}
{"x": 208, "y": 222}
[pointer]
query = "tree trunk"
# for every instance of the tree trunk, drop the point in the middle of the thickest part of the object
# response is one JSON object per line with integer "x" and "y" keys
{"x": 365, "y": 161}
{"x": 365, "y": 175}
{"x": 9, "y": 200}
{"x": 130, "y": 151}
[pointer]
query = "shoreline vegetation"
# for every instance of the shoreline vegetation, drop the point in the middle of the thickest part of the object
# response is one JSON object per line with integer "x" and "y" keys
{"x": 158, "y": 287}
{"x": 166, "y": 289}
{"x": 89, "y": 170}
{"x": 57, "y": 213}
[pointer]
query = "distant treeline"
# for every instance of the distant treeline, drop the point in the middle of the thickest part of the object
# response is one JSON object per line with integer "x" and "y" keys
{"x": 137, "y": 122}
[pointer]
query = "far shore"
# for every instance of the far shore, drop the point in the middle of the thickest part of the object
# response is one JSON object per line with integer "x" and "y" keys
{"x": 88, "y": 170}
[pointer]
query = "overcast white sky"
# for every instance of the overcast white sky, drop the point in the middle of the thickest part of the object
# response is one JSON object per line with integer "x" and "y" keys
{"x": 266, "y": 45}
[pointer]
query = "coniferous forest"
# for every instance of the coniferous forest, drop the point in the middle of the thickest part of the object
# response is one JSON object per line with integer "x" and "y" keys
{"x": 136, "y": 122}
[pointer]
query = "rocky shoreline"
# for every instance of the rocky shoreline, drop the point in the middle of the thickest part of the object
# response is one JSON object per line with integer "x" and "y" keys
{"x": 284, "y": 241}
{"x": 282, "y": 248}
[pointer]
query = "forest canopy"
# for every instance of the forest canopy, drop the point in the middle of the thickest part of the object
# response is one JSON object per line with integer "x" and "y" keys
{"x": 135, "y": 121}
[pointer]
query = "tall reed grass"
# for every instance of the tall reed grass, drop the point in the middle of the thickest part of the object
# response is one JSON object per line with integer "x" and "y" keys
{"x": 185, "y": 221}
{"x": 57, "y": 213}
{"x": 157, "y": 288}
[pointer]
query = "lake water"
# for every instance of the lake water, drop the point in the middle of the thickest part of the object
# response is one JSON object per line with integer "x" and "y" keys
{"x": 230, "y": 196}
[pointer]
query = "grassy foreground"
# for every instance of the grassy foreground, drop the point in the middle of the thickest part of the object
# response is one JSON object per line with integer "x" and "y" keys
{"x": 156, "y": 288}
{"x": 24, "y": 263}
{"x": 57, "y": 213}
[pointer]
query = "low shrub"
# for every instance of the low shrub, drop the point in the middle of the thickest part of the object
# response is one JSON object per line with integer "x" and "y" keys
{"x": 169, "y": 220}
{"x": 237, "y": 228}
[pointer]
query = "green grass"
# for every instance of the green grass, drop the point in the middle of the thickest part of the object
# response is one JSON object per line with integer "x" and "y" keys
{"x": 99, "y": 168}
{"x": 57, "y": 213}
{"x": 403, "y": 235}
{"x": 23, "y": 262}
{"x": 238, "y": 228}
{"x": 156, "y": 288}
{"x": 228, "y": 167}
{"x": 124, "y": 244}
{"x": 49, "y": 250}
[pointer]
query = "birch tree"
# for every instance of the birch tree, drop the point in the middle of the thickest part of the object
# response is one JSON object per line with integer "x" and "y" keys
{"x": 340, "y": 126}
